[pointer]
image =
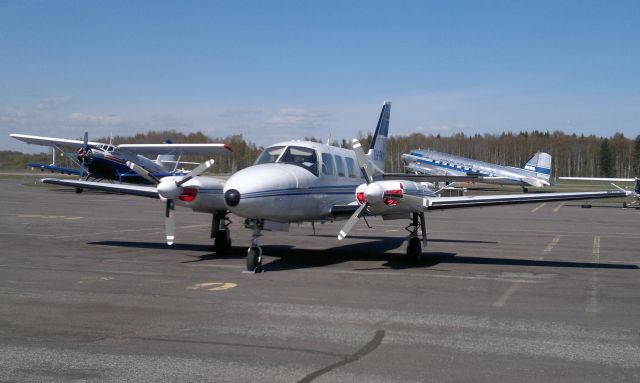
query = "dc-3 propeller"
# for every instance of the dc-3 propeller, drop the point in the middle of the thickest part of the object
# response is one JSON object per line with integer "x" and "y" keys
{"x": 364, "y": 197}
{"x": 170, "y": 188}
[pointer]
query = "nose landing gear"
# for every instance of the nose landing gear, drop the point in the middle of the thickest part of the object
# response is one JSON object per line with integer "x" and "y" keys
{"x": 254, "y": 253}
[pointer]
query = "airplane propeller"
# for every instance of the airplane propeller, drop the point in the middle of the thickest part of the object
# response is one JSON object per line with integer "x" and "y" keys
{"x": 82, "y": 155}
{"x": 364, "y": 168}
{"x": 171, "y": 188}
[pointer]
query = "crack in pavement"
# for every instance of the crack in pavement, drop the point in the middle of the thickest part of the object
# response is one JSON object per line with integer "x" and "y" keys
{"x": 366, "y": 349}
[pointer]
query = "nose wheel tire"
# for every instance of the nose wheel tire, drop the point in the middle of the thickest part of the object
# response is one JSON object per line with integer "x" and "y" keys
{"x": 414, "y": 250}
{"x": 222, "y": 242}
{"x": 254, "y": 259}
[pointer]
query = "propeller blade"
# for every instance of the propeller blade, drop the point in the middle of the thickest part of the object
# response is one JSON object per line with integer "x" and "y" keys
{"x": 362, "y": 160}
{"x": 143, "y": 172}
{"x": 196, "y": 171}
{"x": 351, "y": 222}
{"x": 85, "y": 141}
{"x": 170, "y": 222}
{"x": 85, "y": 146}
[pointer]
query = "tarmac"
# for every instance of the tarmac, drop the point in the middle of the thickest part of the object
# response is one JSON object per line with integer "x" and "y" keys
{"x": 89, "y": 292}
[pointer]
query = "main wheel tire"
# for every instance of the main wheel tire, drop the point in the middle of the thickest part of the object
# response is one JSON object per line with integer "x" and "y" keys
{"x": 79, "y": 190}
{"x": 254, "y": 259}
{"x": 414, "y": 250}
{"x": 222, "y": 242}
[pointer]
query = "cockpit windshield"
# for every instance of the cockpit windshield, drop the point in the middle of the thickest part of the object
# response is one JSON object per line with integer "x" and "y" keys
{"x": 294, "y": 155}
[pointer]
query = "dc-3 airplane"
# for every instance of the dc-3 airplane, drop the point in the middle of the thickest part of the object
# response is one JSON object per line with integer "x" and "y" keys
{"x": 536, "y": 172}
{"x": 301, "y": 181}
{"x": 100, "y": 161}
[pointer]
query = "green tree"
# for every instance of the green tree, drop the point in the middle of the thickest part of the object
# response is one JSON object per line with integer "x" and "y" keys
{"x": 606, "y": 159}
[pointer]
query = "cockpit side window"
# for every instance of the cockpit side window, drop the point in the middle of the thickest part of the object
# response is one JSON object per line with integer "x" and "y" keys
{"x": 328, "y": 166}
{"x": 301, "y": 156}
{"x": 269, "y": 155}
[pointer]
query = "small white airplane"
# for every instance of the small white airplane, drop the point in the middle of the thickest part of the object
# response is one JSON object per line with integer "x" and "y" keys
{"x": 302, "y": 181}
{"x": 536, "y": 172}
{"x": 98, "y": 161}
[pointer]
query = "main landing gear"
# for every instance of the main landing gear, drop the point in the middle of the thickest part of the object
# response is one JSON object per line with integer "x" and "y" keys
{"x": 254, "y": 253}
{"x": 220, "y": 232}
{"x": 414, "y": 247}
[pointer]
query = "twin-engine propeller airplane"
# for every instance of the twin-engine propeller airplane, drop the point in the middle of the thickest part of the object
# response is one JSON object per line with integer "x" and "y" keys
{"x": 302, "y": 181}
{"x": 536, "y": 172}
{"x": 100, "y": 161}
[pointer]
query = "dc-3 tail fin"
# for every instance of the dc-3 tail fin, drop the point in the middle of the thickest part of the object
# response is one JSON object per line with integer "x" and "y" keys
{"x": 378, "y": 151}
{"x": 541, "y": 164}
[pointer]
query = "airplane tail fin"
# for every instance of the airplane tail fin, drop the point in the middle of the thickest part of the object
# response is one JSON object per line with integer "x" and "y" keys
{"x": 378, "y": 151}
{"x": 637, "y": 189}
{"x": 540, "y": 163}
{"x": 166, "y": 158}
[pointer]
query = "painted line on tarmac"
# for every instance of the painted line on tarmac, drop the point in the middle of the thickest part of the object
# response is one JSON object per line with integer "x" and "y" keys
{"x": 507, "y": 294}
{"x": 537, "y": 208}
{"x": 558, "y": 207}
{"x": 550, "y": 247}
{"x": 592, "y": 301}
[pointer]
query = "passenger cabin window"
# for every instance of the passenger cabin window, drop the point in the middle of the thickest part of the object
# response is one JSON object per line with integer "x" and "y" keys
{"x": 327, "y": 164}
{"x": 340, "y": 166}
{"x": 351, "y": 167}
{"x": 294, "y": 155}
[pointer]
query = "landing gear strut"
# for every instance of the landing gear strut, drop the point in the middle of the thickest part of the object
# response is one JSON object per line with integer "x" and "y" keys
{"x": 414, "y": 247}
{"x": 220, "y": 232}
{"x": 254, "y": 253}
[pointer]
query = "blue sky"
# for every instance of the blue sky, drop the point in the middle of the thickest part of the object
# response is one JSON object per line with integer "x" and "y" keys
{"x": 274, "y": 70}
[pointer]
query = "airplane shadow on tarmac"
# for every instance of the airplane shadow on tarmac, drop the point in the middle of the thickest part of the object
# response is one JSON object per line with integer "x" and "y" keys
{"x": 291, "y": 258}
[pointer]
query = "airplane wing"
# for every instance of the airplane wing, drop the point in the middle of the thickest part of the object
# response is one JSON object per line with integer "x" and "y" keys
{"x": 142, "y": 191}
{"x": 439, "y": 203}
{"x": 56, "y": 169}
{"x": 429, "y": 177}
{"x": 51, "y": 141}
{"x": 598, "y": 179}
{"x": 202, "y": 149}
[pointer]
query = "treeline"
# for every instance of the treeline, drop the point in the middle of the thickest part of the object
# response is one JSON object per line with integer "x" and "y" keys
{"x": 573, "y": 155}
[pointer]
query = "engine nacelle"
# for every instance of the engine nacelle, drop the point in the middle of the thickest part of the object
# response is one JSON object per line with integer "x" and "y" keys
{"x": 393, "y": 196}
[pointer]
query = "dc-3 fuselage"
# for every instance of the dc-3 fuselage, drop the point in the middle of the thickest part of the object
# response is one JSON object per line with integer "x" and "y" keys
{"x": 297, "y": 181}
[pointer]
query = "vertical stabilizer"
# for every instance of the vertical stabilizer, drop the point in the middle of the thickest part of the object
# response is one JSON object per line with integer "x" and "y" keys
{"x": 167, "y": 158}
{"x": 540, "y": 163}
{"x": 378, "y": 151}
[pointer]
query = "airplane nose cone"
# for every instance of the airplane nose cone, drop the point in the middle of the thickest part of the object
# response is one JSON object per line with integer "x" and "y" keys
{"x": 232, "y": 197}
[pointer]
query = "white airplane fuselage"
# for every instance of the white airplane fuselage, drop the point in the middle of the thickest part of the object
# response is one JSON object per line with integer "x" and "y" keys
{"x": 285, "y": 192}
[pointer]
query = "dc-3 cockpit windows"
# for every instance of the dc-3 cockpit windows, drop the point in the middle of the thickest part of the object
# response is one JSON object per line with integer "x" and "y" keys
{"x": 294, "y": 155}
